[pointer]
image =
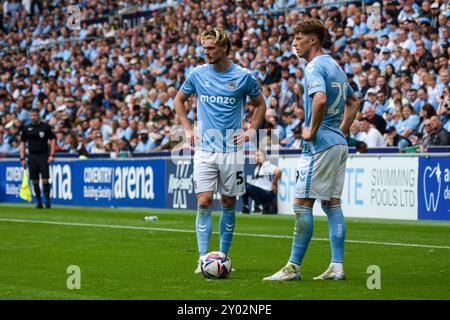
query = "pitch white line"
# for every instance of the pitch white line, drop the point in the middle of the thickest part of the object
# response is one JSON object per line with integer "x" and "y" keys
{"x": 76, "y": 224}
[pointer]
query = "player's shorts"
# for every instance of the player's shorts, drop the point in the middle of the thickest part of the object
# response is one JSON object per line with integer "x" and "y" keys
{"x": 321, "y": 176}
{"x": 38, "y": 164}
{"x": 219, "y": 172}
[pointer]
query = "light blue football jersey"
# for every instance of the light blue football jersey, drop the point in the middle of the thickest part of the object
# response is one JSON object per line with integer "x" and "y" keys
{"x": 221, "y": 98}
{"x": 323, "y": 74}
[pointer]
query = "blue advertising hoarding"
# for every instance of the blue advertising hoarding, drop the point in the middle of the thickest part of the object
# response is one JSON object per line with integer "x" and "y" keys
{"x": 106, "y": 183}
{"x": 180, "y": 185}
{"x": 434, "y": 188}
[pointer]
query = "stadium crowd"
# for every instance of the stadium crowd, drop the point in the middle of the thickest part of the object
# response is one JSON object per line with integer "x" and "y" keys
{"x": 110, "y": 87}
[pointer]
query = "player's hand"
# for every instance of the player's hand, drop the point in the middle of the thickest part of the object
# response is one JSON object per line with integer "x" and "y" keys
{"x": 50, "y": 159}
{"x": 24, "y": 163}
{"x": 274, "y": 187}
{"x": 191, "y": 137}
{"x": 306, "y": 134}
{"x": 243, "y": 136}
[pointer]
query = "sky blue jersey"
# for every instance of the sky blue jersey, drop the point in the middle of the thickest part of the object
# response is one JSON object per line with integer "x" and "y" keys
{"x": 323, "y": 74}
{"x": 221, "y": 98}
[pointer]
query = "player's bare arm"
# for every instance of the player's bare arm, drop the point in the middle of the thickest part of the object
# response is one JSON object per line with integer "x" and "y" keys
{"x": 350, "y": 111}
{"x": 180, "y": 110}
{"x": 258, "y": 117}
{"x": 318, "y": 112}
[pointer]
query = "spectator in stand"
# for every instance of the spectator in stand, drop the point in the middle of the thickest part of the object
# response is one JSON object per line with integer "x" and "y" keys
{"x": 371, "y": 137}
{"x": 118, "y": 70}
{"x": 426, "y": 112}
{"x": 408, "y": 125}
{"x": 355, "y": 131}
{"x": 375, "y": 119}
{"x": 439, "y": 136}
{"x": 425, "y": 137}
{"x": 393, "y": 139}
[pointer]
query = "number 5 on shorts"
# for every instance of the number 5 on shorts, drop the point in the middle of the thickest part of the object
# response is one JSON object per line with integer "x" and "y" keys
{"x": 239, "y": 177}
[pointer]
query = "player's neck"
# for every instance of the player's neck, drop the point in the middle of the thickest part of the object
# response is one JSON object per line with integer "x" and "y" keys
{"x": 314, "y": 53}
{"x": 222, "y": 65}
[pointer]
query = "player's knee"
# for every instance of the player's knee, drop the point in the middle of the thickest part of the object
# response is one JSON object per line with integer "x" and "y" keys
{"x": 228, "y": 202}
{"x": 330, "y": 203}
{"x": 205, "y": 202}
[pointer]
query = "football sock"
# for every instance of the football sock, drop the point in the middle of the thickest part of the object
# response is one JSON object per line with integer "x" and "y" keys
{"x": 302, "y": 233}
{"x": 37, "y": 191}
{"x": 203, "y": 226}
{"x": 226, "y": 225}
{"x": 336, "y": 227}
{"x": 47, "y": 191}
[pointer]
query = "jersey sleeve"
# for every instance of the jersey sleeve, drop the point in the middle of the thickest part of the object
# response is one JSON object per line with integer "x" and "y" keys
{"x": 316, "y": 81}
{"x": 188, "y": 87}
{"x": 252, "y": 88}
{"x": 350, "y": 90}
{"x": 23, "y": 135}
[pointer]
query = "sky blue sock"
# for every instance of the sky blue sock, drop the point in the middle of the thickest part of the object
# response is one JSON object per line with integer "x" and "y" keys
{"x": 302, "y": 233}
{"x": 226, "y": 225}
{"x": 336, "y": 227}
{"x": 203, "y": 226}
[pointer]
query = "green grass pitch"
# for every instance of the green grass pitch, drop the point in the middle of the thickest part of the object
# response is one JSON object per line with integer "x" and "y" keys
{"x": 123, "y": 257}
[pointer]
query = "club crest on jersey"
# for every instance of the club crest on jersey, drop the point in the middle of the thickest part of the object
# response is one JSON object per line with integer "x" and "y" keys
{"x": 41, "y": 134}
{"x": 232, "y": 85}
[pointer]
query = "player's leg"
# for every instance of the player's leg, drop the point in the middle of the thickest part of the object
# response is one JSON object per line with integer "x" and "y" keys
{"x": 45, "y": 173}
{"x": 304, "y": 226}
{"x": 34, "y": 176}
{"x": 227, "y": 222}
{"x": 231, "y": 184}
{"x": 203, "y": 222}
{"x": 205, "y": 184}
{"x": 336, "y": 223}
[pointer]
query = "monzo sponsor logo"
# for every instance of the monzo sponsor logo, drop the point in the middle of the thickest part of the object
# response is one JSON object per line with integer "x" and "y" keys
{"x": 218, "y": 99}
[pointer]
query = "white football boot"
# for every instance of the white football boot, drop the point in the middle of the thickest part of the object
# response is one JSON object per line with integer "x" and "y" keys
{"x": 334, "y": 272}
{"x": 199, "y": 266}
{"x": 287, "y": 273}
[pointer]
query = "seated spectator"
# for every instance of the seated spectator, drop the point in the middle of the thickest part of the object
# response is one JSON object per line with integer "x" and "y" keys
{"x": 393, "y": 139}
{"x": 98, "y": 145}
{"x": 296, "y": 143}
{"x": 145, "y": 144}
{"x": 371, "y": 137}
{"x": 375, "y": 119}
{"x": 355, "y": 131}
{"x": 392, "y": 119}
{"x": 264, "y": 186}
{"x": 370, "y": 99}
{"x": 408, "y": 125}
{"x": 382, "y": 105}
{"x": 289, "y": 123}
{"x": 426, "y": 112}
{"x": 439, "y": 136}
{"x": 425, "y": 137}
{"x": 5, "y": 147}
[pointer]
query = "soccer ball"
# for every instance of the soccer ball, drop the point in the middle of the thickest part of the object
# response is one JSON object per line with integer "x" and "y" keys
{"x": 216, "y": 265}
